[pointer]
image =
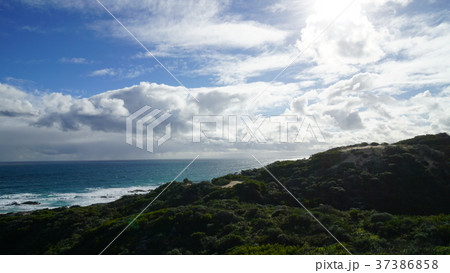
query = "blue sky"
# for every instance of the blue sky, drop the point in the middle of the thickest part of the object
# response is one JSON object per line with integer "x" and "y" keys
{"x": 70, "y": 74}
{"x": 56, "y": 50}
{"x": 59, "y": 49}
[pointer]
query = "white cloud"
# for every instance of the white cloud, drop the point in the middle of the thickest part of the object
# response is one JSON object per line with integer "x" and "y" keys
{"x": 103, "y": 72}
{"x": 351, "y": 40}
{"x": 186, "y": 25}
{"x": 74, "y": 60}
{"x": 121, "y": 73}
{"x": 345, "y": 120}
{"x": 14, "y": 102}
{"x": 240, "y": 68}
{"x": 68, "y": 113}
{"x": 347, "y": 112}
{"x": 350, "y": 111}
{"x": 32, "y": 29}
{"x": 191, "y": 35}
{"x": 419, "y": 54}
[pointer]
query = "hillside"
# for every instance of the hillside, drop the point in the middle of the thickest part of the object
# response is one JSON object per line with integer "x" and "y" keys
{"x": 375, "y": 198}
{"x": 408, "y": 177}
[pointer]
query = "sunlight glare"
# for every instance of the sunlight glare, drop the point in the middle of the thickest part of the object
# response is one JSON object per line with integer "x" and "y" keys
{"x": 332, "y": 8}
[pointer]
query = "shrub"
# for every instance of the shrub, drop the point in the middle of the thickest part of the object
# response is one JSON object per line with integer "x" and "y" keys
{"x": 380, "y": 217}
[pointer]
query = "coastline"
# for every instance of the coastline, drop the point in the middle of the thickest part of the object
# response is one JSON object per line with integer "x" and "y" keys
{"x": 29, "y": 202}
{"x": 31, "y": 186}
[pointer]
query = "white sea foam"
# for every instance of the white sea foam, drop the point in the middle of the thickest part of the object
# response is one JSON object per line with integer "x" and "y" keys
{"x": 54, "y": 200}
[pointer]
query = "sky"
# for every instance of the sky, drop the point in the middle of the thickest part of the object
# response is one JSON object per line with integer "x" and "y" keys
{"x": 357, "y": 70}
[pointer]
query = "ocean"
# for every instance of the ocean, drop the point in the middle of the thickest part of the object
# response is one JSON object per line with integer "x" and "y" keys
{"x": 57, "y": 184}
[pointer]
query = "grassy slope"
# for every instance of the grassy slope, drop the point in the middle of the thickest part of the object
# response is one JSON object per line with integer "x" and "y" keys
{"x": 373, "y": 198}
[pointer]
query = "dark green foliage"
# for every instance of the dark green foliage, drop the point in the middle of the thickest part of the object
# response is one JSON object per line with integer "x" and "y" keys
{"x": 376, "y": 199}
{"x": 410, "y": 177}
{"x": 438, "y": 142}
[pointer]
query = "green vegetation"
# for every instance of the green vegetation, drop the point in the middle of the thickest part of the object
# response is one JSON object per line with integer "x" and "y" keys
{"x": 375, "y": 198}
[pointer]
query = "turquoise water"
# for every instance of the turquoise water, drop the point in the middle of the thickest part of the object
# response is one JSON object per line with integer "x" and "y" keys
{"x": 56, "y": 184}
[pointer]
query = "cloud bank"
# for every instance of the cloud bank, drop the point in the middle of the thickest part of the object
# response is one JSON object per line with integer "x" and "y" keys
{"x": 346, "y": 112}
